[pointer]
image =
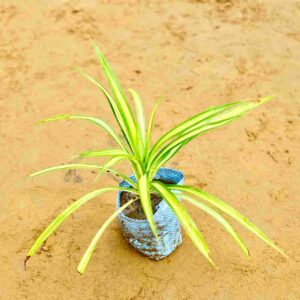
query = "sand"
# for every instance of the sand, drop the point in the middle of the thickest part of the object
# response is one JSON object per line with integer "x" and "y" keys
{"x": 194, "y": 54}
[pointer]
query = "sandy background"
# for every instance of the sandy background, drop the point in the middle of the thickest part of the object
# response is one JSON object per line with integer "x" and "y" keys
{"x": 196, "y": 54}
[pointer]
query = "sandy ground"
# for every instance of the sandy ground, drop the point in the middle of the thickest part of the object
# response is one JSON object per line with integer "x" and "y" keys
{"x": 195, "y": 54}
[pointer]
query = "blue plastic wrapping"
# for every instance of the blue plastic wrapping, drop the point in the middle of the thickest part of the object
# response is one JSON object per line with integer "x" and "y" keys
{"x": 138, "y": 232}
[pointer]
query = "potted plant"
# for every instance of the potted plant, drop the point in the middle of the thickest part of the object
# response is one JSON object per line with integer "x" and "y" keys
{"x": 149, "y": 202}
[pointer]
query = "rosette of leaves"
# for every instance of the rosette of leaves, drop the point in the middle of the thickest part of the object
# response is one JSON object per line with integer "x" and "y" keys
{"x": 145, "y": 159}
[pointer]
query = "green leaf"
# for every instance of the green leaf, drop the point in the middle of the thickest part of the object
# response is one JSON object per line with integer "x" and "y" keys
{"x": 109, "y": 152}
{"x": 209, "y": 119}
{"x": 96, "y": 121}
{"x": 150, "y": 126}
{"x": 121, "y": 102}
{"x": 185, "y": 219}
{"x": 88, "y": 253}
{"x": 188, "y": 124}
{"x": 67, "y": 212}
{"x": 112, "y": 104}
{"x": 105, "y": 152}
{"x": 144, "y": 193}
{"x": 141, "y": 120}
{"x": 171, "y": 149}
{"x": 224, "y": 207}
{"x": 109, "y": 164}
{"x": 138, "y": 170}
{"x": 163, "y": 159}
{"x": 219, "y": 219}
{"x": 83, "y": 166}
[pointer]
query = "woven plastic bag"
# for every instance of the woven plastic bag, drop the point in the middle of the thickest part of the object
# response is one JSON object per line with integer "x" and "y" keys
{"x": 138, "y": 232}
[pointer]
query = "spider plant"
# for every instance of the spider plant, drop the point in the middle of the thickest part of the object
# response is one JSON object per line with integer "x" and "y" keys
{"x": 145, "y": 159}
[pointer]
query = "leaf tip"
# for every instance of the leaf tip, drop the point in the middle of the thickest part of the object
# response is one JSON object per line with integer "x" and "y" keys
{"x": 283, "y": 254}
{"x": 262, "y": 100}
{"x": 274, "y": 246}
{"x": 26, "y": 177}
{"x": 82, "y": 154}
{"x": 80, "y": 272}
{"x": 39, "y": 122}
{"x": 99, "y": 53}
{"x": 25, "y": 261}
{"x": 212, "y": 263}
{"x": 77, "y": 70}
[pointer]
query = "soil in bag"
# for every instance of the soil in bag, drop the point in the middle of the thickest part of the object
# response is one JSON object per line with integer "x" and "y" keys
{"x": 135, "y": 210}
